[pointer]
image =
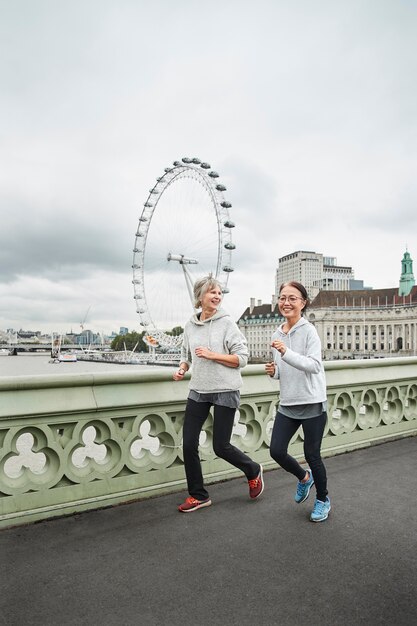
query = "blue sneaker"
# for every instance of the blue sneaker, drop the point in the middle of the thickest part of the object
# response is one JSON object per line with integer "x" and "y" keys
{"x": 303, "y": 489}
{"x": 321, "y": 511}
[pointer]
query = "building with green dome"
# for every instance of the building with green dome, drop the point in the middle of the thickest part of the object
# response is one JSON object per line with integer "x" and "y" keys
{"x": 407, "y": 281}
{"x": 364, "y": 323}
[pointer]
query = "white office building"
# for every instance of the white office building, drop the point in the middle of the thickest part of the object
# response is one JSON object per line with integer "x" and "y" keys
{"x": 257, "y": 323}
{"x": 314, "y": 271}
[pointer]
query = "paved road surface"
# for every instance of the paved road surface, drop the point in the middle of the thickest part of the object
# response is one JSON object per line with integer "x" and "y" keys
{"x": 239, "y": 562}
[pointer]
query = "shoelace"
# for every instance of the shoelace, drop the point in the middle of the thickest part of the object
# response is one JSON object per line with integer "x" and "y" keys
{"x": 301, "y": 486}
{"x": 319, "y": 507}
{"x": 254, "y": 482}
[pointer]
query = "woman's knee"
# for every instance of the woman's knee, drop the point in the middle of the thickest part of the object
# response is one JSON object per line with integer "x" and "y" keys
{"x": 221, "y": 449}
{"x": 278, "y": 454}
{"x": 313, "y": 458}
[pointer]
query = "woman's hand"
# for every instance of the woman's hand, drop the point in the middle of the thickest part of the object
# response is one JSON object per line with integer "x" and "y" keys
{"x": 179, "y": 374}
{"x": 270, "y": 369}
{"x": 205, "y": 353}
{"x": 279, "y": 345}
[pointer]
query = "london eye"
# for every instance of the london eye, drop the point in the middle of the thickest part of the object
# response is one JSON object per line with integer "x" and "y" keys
{"x": 184, "y": 233}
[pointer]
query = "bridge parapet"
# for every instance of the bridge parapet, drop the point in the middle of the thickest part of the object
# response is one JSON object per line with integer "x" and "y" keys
{"x": 72, "y": 442}
{"x": 47, "y": 347}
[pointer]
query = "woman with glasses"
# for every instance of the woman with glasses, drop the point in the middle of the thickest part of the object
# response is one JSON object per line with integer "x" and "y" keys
{"x": 298, "y": 365}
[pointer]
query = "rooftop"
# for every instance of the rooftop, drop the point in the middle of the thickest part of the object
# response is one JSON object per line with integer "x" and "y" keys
{"x": 363, "y": 297}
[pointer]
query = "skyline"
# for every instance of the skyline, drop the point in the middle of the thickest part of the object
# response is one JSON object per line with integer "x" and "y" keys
{"x": 85, "y": 327}
{"x": 307, "y": 113}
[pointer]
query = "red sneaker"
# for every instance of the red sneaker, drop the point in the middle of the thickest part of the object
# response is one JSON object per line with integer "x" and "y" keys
{"x": 256, "y": 485}
{"x": 191, "y": 504}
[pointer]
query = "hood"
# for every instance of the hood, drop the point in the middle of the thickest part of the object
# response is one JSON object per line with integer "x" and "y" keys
{"x": 298, "y": 325}
{"x": 218, "y": 315}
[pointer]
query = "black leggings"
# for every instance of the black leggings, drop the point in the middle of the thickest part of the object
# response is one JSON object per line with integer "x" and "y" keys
{"x": 196, "y": 414}
{"x": 313, "y": 428}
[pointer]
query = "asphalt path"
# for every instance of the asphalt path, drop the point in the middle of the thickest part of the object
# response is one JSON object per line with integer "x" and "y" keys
{"x": 238, "y": 562}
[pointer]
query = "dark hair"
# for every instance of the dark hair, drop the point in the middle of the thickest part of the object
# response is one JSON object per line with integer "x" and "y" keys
{"x": 301, "y": 289}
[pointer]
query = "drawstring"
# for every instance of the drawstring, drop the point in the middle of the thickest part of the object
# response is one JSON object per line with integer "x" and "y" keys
{"x": 209, "y": 335}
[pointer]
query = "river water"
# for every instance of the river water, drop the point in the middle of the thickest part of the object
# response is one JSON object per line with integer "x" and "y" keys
{"x": 25, "y": 364}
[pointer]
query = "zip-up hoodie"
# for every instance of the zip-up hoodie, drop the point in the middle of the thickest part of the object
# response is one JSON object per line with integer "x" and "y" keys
{"x": 220, "y": 334}
{"x": 300, "y": 370}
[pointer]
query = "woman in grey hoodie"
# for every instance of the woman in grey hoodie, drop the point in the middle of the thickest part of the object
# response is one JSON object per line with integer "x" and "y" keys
{"x": 216, "y": 350}
{"x": 298, "y": 365}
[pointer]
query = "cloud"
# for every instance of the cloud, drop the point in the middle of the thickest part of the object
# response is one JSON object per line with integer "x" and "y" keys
{"x": 62, "y": 305}
{"x": 307, "y": 112}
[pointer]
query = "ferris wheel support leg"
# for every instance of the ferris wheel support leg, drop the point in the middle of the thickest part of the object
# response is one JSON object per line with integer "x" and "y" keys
{"x": 189, "y": 283}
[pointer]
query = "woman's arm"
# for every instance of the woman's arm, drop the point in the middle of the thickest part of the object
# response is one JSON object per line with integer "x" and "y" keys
{"x": 181, "y": 371}
{"x": 229, "y": 360}
{"x": 185, "y": 363}
{"x": 185, "y": 356}
{"x": 236, "y": 345}
{"x": 272, "y": 367}
{"x": 311, "y": 361}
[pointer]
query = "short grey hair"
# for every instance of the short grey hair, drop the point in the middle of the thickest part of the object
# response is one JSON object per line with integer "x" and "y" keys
{"x": 204, "y": 285}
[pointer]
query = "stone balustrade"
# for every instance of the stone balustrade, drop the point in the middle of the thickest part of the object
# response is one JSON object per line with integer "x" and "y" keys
{"x": 69, "y": 443}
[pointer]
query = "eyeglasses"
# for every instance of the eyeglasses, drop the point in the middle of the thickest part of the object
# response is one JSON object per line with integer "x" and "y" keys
{"x": 291, "y": 299}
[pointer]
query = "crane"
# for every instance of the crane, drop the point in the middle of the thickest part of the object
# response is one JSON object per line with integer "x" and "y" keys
{"x": 85, "y": 318}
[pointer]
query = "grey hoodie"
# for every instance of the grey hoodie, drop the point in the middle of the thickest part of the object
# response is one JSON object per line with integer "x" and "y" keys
{"x": 300, "y": 370}
{"x": 220, "y": 334}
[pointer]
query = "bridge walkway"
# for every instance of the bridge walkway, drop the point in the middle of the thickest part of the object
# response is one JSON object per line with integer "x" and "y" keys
{"x": 239, "y": 562}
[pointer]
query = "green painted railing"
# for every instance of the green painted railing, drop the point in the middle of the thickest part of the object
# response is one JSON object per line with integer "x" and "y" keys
{"x": 69, "y": 443}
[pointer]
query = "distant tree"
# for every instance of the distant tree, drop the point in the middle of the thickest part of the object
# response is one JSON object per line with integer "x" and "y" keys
{"x": 129, "y": 341}
{"x": 177, "y": 330}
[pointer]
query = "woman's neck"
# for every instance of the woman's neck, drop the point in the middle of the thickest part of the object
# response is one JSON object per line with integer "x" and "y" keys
{"x": 289, "y": 323}
{"x": 207, "y": 313}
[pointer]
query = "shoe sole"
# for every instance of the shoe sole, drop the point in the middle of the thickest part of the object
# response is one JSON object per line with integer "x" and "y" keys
{"x": 263, "y": 485}
{"x": 199, "y": 506}
{"x": 322, "y": 519}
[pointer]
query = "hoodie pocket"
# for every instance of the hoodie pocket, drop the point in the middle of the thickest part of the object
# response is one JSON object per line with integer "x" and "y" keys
{"x": 309, "y": 383}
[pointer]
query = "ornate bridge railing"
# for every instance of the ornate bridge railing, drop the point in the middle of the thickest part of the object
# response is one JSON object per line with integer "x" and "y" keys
{"x": 69, "y": 443}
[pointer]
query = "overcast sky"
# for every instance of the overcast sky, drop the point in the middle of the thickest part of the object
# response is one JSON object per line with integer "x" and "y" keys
{"x": 306, "y": 109}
